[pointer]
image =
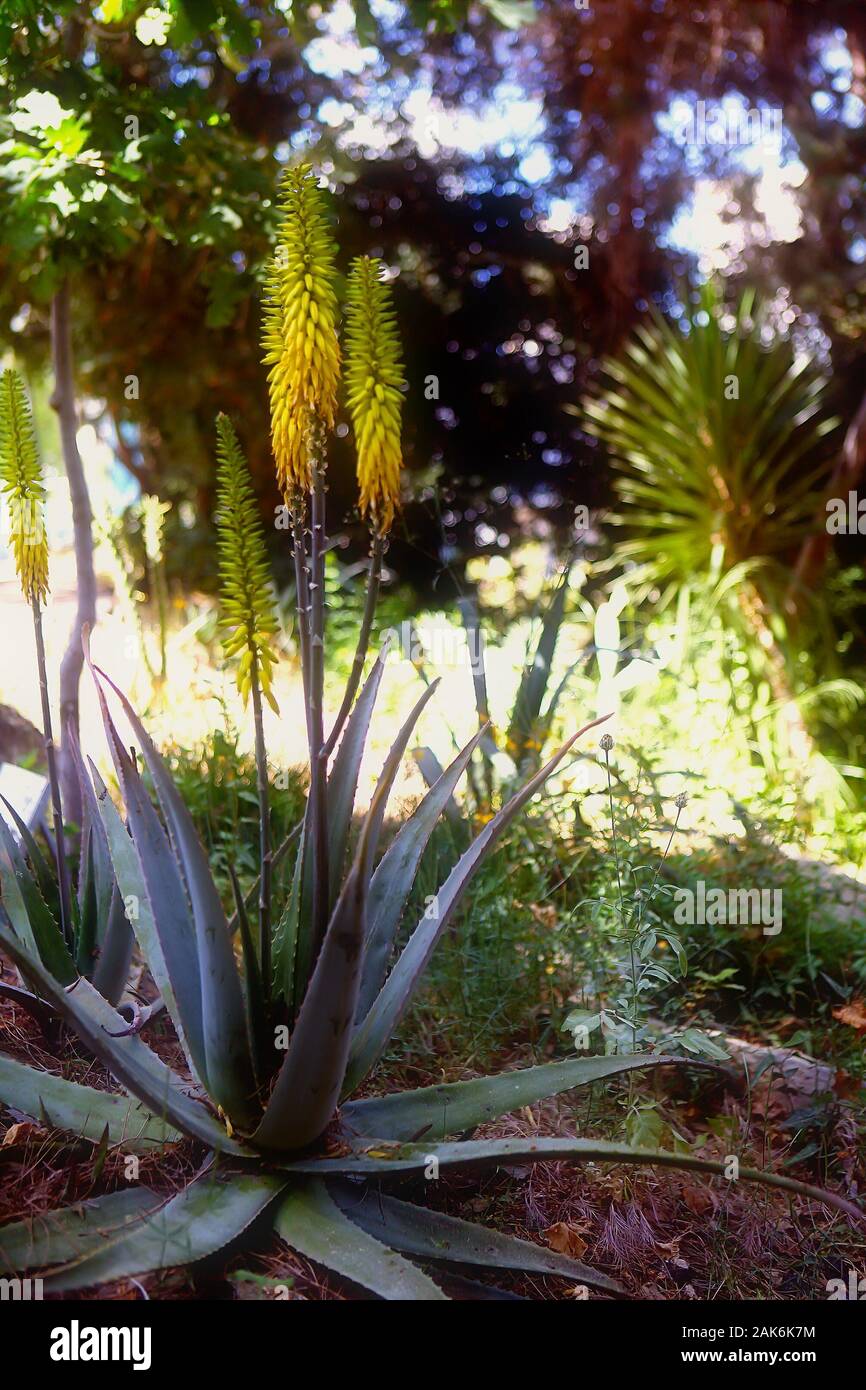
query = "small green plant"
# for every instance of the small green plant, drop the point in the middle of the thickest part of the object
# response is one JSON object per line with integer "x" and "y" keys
{"x": 637, "y": 932}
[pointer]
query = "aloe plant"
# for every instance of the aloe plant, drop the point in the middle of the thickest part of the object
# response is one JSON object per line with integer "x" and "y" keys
{"x": 276, "y": 1054}
{"x": 530, "y": 721}
{"x": 71, "y": 924}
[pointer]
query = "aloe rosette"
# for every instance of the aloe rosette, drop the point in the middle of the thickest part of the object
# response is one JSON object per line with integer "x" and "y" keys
{"x": 290, "y": 1143}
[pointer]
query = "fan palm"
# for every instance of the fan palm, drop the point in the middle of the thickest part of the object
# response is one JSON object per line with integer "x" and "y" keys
{"x": 721, "y": 442}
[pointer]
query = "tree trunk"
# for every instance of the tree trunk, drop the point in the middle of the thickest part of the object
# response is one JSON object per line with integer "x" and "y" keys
{"x": 63, "y": 401}
{"x": 754, "y": 610}
{"x": 846, "y": 475}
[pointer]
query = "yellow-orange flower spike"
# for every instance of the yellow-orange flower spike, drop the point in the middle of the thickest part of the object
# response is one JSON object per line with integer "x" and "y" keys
{"x": 374, "y": 374}
{"x": 21, "y": 481}
{"x": 300, "y": 334}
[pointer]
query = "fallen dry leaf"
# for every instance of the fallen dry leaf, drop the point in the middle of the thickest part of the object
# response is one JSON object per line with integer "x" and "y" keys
{"x": 566, "y": 1240}
{"x": 20, "y": 1133}
{"x": 698, "y": 1200}
{"x": 671, "y": 1248}
{"x": 854, "y": 1014}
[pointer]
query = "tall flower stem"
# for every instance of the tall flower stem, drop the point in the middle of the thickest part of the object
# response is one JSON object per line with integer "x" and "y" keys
{"x": 302, "y": 598}
{"x": 374, "y": 579}
{"x": 318, "y": 757}
{"x": 53, "y": 779}
{"x": 262, "y": 787}
{"x": 249, "y": 619}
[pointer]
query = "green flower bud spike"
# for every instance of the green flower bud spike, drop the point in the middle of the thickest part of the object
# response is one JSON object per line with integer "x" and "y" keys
{"x": 21, "y": 482}
{"x": 248, "y": 616}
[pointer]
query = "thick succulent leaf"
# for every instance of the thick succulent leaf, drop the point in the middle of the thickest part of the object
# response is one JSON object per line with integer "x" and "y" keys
{"x": 163, "y": 890}
{"x": 475, "y": 642}
{"x": 343, "y": 778}
{"x": 56, "y": 1237}
{"x": 431, "y": 770}
{"x": 307, "y": 1088}
{"x": 286, "y": 941}
{"x": 257, "y": 1011}
{"x": 371, "y": 1036}
{"x": 434, "y": 1112}
{"x": 228, "y": 1061}
{"x": 128, "y": 1059}
{"x": 312, "y": 1223}
{"x": 31, "y": 1003}
{"x": 43, "y": 873}
{"x": 80, "y": 1109}
{"x": 175, "y": 970}
{"x": 392, "y": 882}
{"x": 87, "y": 911}
{"x": 106, "y": 937}
{"x": 475, "y": 649}
{"x": 534, "y": 681}
{"x": 400, "y": 1160}
{"x": 433, "y": 1235}
{"x": 95, "y": 855}
{"x": 12, "y": 904}
{"x": 29, "y": 913}
{"x": 308, "y": 1085}
{"x": 198, "y": 1222}
{"x": 391, "y": 767}
{"x": 115, "y": 952}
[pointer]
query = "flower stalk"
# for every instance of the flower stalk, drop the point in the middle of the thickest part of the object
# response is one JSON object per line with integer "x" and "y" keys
{"x": 318, "y": 754}
{"x": 21, "y": 481}
{"x": 250, "y": 622}
{"x": 374, "y": 580}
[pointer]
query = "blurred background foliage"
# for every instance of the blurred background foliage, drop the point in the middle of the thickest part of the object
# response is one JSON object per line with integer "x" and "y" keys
{"x": 575, "y": 274}
{"x": 481, "y": 146}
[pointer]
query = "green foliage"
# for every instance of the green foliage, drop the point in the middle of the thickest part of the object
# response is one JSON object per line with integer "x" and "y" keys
{"x": 820, "y": 952}
{"x": 99, "y": 942}
{"x": 92, "y": 164}
{"x": 216, "y": 779}
{"x": 709, "y": 427}
{"x": 646, "y": 950}
{"x": 246, "y": 593}
{"x": 497, "y": 979}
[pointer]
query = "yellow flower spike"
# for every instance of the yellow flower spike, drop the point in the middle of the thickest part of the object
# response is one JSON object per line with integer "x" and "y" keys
{"x": 21, "y": 481}
{"x": 374, "y": 374}
{"x": 248, "y": 612}
{"x": 300, "y": 340}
